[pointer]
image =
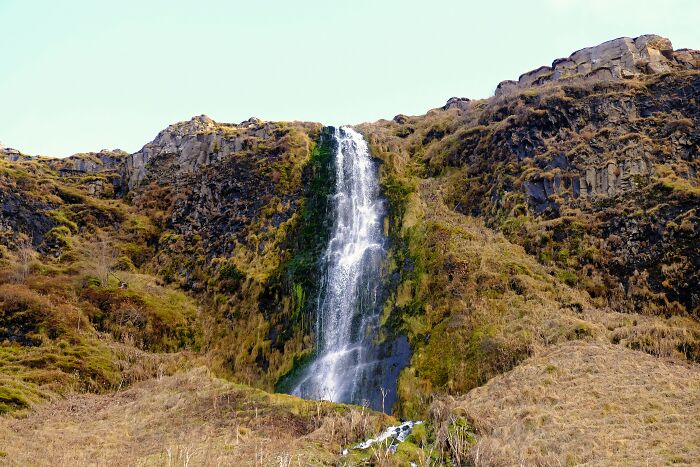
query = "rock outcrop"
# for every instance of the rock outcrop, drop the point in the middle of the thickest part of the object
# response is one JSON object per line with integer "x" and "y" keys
{"x": 623, "y": 58}
{"x": 13, "y": 155}
{"x": 90, "y": 162}
{"x": 196, "y": 143}
{"x": 461, "y": 103}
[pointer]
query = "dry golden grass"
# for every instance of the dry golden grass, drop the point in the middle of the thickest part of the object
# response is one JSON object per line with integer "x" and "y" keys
{"x": 587, "y": 403}
{"x": 190, "y": 418}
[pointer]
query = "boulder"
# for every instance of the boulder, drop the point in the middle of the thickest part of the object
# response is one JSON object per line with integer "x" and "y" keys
{"x": 505, "y": 87}
{"x": 461, "y": 103}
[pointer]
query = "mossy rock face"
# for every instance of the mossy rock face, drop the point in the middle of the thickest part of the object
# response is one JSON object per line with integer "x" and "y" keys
{"x": 258, "y": 269}
{"x": 299, "y": 277}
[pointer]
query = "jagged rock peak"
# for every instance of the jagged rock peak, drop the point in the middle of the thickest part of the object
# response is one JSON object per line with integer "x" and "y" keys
{"x": 250, "y": 122}
{"x": 622, "y": 58}
{"x": 197, "y": 124}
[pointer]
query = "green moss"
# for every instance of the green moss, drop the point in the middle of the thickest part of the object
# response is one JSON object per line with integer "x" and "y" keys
{"x": 315, "y": 222}
{"x": 158, "y": 319}
{"x": 60, "y": 235}
{"x": 567, "y": 276}
{"x": 60, "y": 217}
{"x": 124, "y": 263}
{"x": 11, "y": 400}
{"x": 32, "y": 374}
{"x": 397, "y": 191}
{"x": 580, "y": 331}
{"x": 299, "y": 277}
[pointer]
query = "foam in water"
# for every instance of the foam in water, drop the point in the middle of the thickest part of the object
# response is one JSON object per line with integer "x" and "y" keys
{"x": 348, "y": 366}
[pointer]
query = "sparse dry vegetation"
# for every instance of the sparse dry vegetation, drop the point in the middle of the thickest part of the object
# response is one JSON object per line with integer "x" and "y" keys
{"x": 584, "y": 403}
{"x": 191, "y": 418}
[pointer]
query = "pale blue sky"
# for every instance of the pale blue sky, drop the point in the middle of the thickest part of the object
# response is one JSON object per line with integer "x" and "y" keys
{"x": 84, "y": 75}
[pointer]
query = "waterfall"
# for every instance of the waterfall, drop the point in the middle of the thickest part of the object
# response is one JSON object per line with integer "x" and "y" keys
{"x": 350, "y": 365}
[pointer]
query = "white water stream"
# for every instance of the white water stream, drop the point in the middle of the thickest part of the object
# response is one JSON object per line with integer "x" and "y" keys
{"x": 347, "y": 368}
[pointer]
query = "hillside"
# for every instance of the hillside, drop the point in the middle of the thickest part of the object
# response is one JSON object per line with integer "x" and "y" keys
{"x": 191, "y": 418}
{"x": 542, "y": 263}
{"x": 587, "y": 404}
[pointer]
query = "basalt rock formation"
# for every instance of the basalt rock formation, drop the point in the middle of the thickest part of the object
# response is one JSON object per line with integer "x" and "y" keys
{"x": 595, "y": 178}
{"x": 623, "y": 58}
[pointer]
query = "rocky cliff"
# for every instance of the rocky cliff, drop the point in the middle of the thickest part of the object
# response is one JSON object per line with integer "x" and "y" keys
{"x": 597, "y": 176}
{"x": 623, "y": 58}
{"x": 233, "y": 213}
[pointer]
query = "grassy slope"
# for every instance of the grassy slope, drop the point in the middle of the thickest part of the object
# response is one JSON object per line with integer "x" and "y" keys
{"x": 474, "y": 305}
{"x": 597, "y": 404}
{"x": 189, "y": 418}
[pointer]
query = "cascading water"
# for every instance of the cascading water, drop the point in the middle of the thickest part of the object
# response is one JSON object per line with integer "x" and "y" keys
{"x": 349, "y": 364}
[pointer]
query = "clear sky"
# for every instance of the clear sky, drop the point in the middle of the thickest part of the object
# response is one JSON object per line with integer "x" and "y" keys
{"x": 82, "y": 75}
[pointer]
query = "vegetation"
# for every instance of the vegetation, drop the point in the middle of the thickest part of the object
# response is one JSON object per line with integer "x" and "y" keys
{"x": 634, "y": 409}
{"x": 492, "y": 273}
{"x": 474, "y": 305}
{"x": 189, "y": 418}
{"x": 65, "y": 323}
